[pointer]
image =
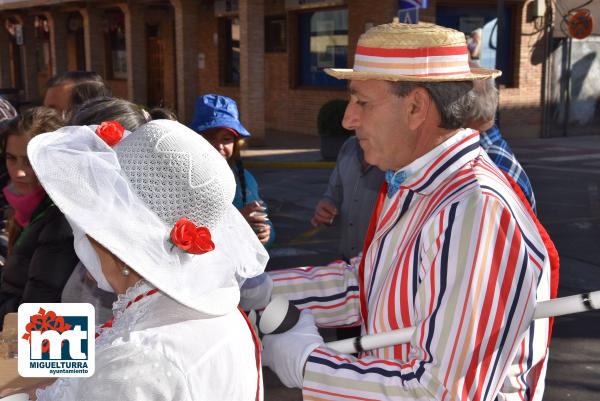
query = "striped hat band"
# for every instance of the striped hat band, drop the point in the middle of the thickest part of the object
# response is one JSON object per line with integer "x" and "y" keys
{"x": 429, "y": 61}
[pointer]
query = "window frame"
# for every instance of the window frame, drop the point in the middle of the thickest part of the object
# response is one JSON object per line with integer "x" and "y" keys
{"x": 295, "y": 40}
{"x": 512, "y": 48}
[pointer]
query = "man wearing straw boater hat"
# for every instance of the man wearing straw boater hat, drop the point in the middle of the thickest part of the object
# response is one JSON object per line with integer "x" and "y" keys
{"x": 452, "y": 249}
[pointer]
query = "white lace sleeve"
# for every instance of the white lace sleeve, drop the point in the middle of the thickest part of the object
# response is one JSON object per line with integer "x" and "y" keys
{"x": 62, "y": 389}
{"x": 124, "y": 372}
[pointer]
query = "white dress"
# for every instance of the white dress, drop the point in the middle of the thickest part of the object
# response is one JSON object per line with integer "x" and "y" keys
{"x": 158, "y": 349}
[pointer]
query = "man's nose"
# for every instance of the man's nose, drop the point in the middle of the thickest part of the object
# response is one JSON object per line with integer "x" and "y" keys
{"x": 351, "y": 120}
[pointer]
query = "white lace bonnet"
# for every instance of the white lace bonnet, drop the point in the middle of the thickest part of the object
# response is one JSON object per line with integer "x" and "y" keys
{"x": 128, "y": 198}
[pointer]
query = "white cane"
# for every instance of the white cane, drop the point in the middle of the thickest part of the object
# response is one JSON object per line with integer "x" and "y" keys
{"x": 280, "y": 315}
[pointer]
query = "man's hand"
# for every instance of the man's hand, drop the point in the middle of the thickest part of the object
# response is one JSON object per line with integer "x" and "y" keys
{"x": 286, "y": 353}
{"x": 325, "y": 212}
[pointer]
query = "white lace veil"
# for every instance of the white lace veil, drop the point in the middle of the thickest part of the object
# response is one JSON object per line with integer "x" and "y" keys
{"x": 128, "y": 198}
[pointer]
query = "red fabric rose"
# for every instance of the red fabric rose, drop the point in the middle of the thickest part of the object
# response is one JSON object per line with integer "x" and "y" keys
{"x": 186, "y": 236}
{"x": 111, "y": 132}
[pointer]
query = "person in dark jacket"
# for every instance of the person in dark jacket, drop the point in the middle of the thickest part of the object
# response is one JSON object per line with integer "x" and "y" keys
{"x": 40, "y": 241}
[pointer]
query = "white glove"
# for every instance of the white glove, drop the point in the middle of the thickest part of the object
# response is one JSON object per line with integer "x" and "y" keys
{"x": 256, "y": 292}
{"x": 286, "y": 353}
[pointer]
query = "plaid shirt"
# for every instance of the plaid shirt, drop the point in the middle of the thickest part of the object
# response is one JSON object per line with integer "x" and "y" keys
{"x": 498, "y": 150}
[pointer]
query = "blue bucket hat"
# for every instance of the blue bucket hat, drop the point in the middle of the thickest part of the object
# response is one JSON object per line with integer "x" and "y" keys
{"x": 214, "y": 111}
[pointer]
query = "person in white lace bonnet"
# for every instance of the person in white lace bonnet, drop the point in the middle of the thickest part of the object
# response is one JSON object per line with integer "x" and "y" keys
{"x": 153, "y": 221}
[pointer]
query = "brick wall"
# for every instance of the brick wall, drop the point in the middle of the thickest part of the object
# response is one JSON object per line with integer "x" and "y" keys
{"x": 289, "y": 108}
{"x": 208, "y": 78}
{"x": 295, "y": 109}
{"x": 521, "y": 106}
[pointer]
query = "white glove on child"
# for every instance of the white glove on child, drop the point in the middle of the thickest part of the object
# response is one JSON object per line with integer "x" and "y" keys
{"x": 256, "y": 292}
{"x": 286, "y": 353}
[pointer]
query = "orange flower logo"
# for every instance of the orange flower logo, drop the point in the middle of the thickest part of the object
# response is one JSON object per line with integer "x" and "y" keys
{"x": 186, "y": 236}
{"x": 44, "y": 321}
{"x": 111, "y": 132}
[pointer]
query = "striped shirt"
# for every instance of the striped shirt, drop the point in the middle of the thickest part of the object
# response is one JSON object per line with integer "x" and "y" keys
{"x": 455, "y": 254}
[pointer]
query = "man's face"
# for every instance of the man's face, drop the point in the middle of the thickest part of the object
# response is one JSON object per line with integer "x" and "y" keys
{"x": 380, "y": 120}
{"x": 59, "y": 97}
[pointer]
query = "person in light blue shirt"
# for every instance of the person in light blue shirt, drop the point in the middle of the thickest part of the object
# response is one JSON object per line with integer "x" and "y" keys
{"x": 350, "y": 198}
{"x": 216, "y": 118}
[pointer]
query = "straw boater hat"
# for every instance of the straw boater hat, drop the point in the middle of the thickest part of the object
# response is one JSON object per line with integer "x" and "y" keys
{"x": 160, "y": 199}
{"x": 412, "y": 52}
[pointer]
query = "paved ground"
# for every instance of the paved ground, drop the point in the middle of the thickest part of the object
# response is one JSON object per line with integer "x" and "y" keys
{"x": 565, "y": 173}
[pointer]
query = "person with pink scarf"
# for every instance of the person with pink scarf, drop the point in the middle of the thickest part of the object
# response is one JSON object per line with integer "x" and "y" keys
{"x": 40, "y": 241}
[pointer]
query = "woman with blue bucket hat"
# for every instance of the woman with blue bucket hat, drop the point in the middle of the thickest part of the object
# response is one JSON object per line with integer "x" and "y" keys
{"x": 216, "y": 118}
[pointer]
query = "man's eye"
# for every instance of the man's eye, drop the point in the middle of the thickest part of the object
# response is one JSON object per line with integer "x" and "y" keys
{"x": 361, "y": 103}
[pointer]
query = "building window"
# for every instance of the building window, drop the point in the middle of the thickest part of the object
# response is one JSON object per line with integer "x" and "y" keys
{"x": 323, "y": 43}
{"x": 275, "y": 34}
{"x": 480, "y": 26}
{"x": 230, "y": 51}
{"x": 115, "y": 46}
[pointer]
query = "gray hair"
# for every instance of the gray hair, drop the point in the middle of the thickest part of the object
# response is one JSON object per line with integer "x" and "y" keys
{"x": 486, "y": 101}
{"x": 454, "y": 100}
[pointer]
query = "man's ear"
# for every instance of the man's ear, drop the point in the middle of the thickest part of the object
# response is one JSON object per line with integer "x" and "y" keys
{"x": 419, "y": 104}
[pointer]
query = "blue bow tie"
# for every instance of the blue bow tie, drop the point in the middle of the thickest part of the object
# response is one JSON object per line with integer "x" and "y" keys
{"x": 394, "y": 179}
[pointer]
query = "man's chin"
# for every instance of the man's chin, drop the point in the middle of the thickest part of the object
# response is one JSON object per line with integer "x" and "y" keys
{"x": 371, "y": 159}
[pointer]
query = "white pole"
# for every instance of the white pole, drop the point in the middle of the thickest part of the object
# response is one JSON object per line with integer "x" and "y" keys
{"x": 554, "y": 307}
{"x": 567, "y": 305}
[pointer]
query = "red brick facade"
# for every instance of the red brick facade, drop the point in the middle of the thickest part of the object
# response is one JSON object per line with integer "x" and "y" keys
{"x": 190, "y": 36}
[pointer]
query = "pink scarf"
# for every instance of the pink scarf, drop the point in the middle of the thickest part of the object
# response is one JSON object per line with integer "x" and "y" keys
{"x": 24, "y": 205}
